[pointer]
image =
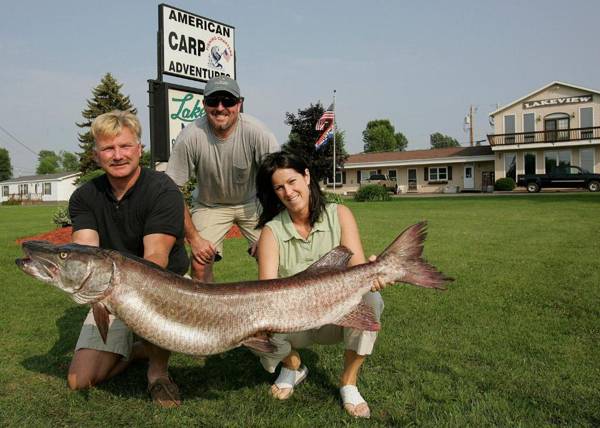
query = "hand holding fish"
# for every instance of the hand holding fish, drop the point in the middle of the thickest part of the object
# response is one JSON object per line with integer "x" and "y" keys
{"x": 378, "y": 283}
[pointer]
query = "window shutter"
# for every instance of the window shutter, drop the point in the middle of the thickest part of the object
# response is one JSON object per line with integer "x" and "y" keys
{"x": 358, "y": 176}
{"x": 426, "y": 173}
{"x": 343, "y": 177}
{"x": 449, "y": 172}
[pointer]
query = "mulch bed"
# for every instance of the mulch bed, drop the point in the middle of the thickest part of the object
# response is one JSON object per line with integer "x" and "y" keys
{"x": 62, "y": 235}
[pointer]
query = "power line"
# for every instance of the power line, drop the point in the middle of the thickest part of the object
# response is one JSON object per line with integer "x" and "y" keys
{"x": 17, "y": 140}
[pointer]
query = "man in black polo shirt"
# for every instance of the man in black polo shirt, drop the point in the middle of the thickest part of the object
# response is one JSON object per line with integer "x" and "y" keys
{"x": 136, "y": 211}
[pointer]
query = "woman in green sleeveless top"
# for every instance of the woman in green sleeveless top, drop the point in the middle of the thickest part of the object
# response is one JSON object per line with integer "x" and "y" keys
{"x": 298, "y": 228}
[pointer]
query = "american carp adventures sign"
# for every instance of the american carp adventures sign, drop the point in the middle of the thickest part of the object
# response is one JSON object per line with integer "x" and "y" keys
{"x": 194, "y": 47}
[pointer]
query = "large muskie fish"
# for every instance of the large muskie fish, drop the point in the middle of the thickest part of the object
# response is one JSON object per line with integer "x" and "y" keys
{"x": 192, "y": 317}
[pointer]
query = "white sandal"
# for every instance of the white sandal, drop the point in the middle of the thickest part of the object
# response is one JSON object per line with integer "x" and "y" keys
{"x": 286, "y": 381}
{"x": 351, "y": 399}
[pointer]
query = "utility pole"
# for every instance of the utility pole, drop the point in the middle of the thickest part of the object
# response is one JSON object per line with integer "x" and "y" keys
{"x": 471, "y": 123}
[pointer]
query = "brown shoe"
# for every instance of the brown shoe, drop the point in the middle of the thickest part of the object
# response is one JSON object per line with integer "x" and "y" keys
{"x": 164, "y": 393}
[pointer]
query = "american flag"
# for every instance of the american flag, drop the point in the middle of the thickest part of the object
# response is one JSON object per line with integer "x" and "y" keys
{"x": 326, "y": 119}
{"x": 325, "y": 137}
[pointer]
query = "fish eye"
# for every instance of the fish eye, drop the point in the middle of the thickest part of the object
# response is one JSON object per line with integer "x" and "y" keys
{"x": 63, "y": 255}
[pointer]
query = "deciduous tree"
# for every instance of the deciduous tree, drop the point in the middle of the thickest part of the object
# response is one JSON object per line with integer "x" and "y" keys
{"x": 68, "y": 161}
{"x": 381, "y": 136}
{"x": 439, "y": 141}
{"x": 303, "y": 136}
{"x": 48, "y": 162}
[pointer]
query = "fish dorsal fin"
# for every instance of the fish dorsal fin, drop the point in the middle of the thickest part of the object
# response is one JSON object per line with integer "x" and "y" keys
{"x": 360, "y": 318}
{"x": 335, "y": 260}
{"x": 101, "y": 317}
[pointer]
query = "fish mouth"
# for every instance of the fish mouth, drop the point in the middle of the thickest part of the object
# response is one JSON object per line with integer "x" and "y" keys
{"x": 38, "y": 266}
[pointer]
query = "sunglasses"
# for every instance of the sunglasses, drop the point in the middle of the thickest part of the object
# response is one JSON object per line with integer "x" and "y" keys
{"x": 227, "y": 101}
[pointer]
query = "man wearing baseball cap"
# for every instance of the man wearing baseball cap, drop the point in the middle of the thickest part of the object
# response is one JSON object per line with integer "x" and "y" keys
{"x": 223, "y": 149}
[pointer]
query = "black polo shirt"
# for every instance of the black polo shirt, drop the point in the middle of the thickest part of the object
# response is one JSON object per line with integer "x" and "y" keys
{"x": 154, "y": 204}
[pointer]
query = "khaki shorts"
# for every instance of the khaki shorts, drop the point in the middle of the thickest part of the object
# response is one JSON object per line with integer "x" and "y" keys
{"x": 118, "y": 341}
{"x": 359, "y": 341}
{"x": 213, "y": 223}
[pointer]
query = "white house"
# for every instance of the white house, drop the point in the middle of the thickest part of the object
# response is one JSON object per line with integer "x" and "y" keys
{"x": 40, "y": 188}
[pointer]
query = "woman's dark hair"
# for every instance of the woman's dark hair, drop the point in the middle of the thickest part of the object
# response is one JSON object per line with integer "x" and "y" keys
{"x": 271, "y": 205}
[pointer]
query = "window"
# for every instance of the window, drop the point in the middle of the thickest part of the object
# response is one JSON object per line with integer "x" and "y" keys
{"x": 4, "y": 190}
{"x": 564, "y": 158}
{"x": 586, "y": 159}
{"x": 47, "y": 188}
{"x": 392, "y": 174}
{"x": 509, "y": 128}
{"x": 364, "y": 175}
{"x": 338, "y": 179}
{"x": 529, "y": 163}
{"x": 510, "y": 165}
{"x": 556, "y": 159}
{"x": 586, "y": 115}
{"x": 557, "y": 126}
{"x": 23, "y": 189}
{"x": 529, "y": 126}
{"x": 438, "y": 173}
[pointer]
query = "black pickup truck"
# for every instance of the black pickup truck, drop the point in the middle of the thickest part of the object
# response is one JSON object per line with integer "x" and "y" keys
{"x": 564, "y": 176}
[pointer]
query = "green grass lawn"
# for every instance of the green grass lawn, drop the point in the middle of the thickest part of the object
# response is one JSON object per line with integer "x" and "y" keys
{"x": 515, "y": 341}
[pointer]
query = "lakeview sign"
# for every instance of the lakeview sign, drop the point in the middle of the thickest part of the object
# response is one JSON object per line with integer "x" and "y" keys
{"x": 172, "y": 108}
{"x": 558, "y": 101}
{"x": 194, "y": 47}
{"x": 183, "y": 107}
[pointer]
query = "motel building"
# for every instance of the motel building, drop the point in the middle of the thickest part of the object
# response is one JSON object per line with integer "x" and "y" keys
{"x": 558, "y": 124}
{"x": 447, "y": 170}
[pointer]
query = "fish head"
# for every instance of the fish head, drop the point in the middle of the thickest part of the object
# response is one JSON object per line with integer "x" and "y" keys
{"x": 82, "y": 271}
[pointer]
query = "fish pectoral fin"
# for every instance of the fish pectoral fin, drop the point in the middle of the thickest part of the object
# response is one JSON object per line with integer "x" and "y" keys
{"x": 101, "y": 318}
{"x": 361, "y": 318}
{"x": 259, "y": 343}
{"x": 335, "y": 260}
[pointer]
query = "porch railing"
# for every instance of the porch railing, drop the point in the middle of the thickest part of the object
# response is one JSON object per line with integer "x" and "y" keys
{"x": 549, "y": 136}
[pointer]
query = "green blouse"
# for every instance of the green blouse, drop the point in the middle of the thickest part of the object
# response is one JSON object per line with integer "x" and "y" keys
{"x": 297, "y": 253}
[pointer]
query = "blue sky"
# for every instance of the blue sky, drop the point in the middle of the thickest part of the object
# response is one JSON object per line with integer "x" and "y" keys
{"x": 419, "y": 64}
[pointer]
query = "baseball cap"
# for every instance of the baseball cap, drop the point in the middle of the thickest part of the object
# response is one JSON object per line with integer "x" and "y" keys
{"x": 222, "y": 83}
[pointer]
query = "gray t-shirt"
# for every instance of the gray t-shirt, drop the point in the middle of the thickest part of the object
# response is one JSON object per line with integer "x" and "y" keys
{"x": 225, "y": 169}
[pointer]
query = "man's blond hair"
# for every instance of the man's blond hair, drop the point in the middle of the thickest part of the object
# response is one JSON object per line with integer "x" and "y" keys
{"x": 109, "y": 125}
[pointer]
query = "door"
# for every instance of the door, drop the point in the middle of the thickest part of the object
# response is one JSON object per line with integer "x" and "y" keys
{"x": 412, "y": 180}
{"x": 469, "y": 181}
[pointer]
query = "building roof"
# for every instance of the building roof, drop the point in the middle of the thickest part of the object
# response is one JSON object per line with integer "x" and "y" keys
{"x": 42, "y": 177}
{"x": 543, "y": 88}
{"x": 424, "y": 155}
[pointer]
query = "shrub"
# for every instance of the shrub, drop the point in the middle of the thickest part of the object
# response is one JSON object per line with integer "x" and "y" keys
{"x": 12, "y": 201}
{"x": 61, "y": 217}
{"x": 372, "y": 192}
{"x": 506, "y": 183}
{"x": 188, "y": 191}
{"x": 333, "y": 198}
{"x": 89, "y": 176}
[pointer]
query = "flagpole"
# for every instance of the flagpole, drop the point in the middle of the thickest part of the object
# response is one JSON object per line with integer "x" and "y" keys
{"x": 334, "y": 141}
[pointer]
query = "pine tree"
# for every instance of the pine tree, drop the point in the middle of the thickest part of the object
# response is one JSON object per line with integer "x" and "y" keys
{"x": 5, "y": 165}
{"x": 106, "y": 97}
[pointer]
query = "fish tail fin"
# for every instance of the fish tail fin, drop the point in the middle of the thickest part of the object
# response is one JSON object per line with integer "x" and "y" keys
{"x": 402, "y": 260}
